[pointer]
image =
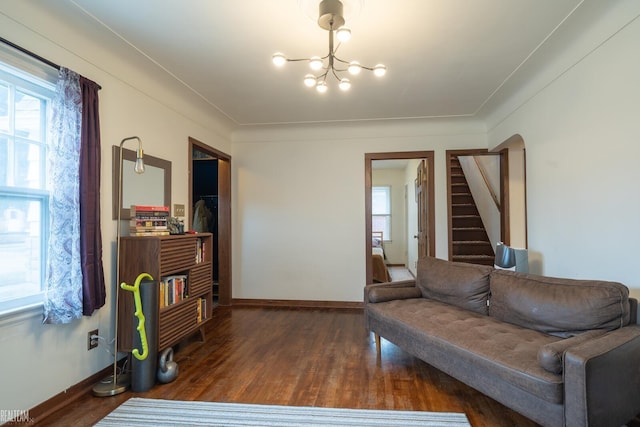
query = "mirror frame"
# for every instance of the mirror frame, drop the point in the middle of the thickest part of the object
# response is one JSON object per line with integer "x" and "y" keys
{"x": 148, "y": 161}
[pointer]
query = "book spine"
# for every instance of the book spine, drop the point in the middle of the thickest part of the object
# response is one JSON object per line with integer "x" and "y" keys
{"x": 149, "y": 233}
{"x": 149, "y": 208}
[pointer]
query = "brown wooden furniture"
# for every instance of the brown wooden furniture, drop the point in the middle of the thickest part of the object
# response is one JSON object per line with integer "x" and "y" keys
{"x": 162, "y": 256}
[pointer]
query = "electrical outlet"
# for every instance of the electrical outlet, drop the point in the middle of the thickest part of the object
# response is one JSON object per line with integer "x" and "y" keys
{"x": 92, "y": 342}
{"x": 178, "y": 210}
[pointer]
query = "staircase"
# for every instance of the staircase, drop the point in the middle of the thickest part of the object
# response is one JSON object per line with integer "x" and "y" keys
{"x": 469, "y": 239}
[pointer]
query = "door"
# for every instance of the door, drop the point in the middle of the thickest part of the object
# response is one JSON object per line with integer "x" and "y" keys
{"x": 422, "y": 199}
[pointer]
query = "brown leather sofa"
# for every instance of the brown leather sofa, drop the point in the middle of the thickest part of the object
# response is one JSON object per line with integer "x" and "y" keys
{"x": 561, "y": 352}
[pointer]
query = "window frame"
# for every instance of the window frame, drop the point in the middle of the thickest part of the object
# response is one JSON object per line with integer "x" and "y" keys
{"x": 387, "y": 236}
{"x": 30, "y": 77}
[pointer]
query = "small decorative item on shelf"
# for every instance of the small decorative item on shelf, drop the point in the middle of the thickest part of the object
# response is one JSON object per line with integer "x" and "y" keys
{"x": 175, "y": 225}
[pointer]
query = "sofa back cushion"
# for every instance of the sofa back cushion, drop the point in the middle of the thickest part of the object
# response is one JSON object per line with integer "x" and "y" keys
{"x": 456, "y": 283}
{"x": 560, "y": 307}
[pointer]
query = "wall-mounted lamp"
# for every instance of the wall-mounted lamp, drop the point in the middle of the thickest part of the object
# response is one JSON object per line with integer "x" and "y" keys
{"x": 116, "y": 384}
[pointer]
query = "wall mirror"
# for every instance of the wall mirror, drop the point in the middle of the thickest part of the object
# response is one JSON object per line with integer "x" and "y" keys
{"x": 153, "y": 187}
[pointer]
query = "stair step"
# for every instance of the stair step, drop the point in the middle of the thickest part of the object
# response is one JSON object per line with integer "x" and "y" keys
{"x": 474, "y": 259}
{"x": 472, "y": 247}
{"x": 459, "y": 221}
{"x": 472, "y": 242}
{"x": 458, "y": 209}
{"x": 469, "y": 233}
{"x": 462, "y": 198}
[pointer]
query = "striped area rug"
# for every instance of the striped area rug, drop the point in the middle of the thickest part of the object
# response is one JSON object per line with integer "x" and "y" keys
{"x": 157, "y": 412}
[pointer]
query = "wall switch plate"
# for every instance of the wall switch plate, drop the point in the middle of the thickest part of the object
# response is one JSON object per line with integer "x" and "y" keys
{"x": 178, "y": 210}
{"x": 92, "y": 342}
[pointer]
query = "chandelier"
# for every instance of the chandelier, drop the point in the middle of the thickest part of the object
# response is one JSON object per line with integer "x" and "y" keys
{"x": 331, "y": 18}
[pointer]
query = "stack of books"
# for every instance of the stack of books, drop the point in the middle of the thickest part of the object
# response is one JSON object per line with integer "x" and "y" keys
{"x": 149, "y": 221}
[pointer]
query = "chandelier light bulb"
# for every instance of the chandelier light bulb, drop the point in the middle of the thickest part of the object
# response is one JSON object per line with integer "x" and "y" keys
{"x": 322, "y": 87}
{"x": 343, "y": 34}
{"x": 354, "y": 68}
{"x": 345, "y": 84}
{"x": 379, "y": 70}
{"x": 315, "y": 63}
{"x": 279, "y": 59}
{"x": 310, "y": 80}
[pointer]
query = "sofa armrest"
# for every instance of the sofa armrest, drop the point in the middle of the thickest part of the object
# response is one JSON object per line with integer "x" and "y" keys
{"x": 602, "y": 379}
{"x": 379, "y": 292}
{"x": 391, "y": 291}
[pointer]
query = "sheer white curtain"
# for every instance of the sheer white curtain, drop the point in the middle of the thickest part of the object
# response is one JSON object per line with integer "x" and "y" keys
{"x": 63, "y": 294}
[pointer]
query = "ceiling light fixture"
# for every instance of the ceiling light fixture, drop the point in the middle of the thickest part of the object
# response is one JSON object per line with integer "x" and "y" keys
{"x": 331, "y": 18}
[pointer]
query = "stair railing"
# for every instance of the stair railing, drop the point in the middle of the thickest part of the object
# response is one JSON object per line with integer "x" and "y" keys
{"x": 487, "y": 183}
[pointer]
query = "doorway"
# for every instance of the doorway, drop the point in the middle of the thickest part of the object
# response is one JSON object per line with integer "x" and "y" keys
{"x": 210, "y": 183}
{"x": 426, "y": 238}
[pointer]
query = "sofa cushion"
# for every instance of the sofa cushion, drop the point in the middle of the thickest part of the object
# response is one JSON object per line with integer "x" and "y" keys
{"x": 560, "y": 307}
{"x": 457, "y": 283}
{"x": 551, "y": 356}
{"x": 474, "y": 348}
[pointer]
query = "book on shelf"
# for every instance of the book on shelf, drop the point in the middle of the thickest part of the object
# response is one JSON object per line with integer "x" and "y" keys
{"x": 173, "y": 289}
{"x": 148, "y": 222}
{"x": 149, "y": 233}
{"x": 200, "y": 250}
{"x": 201, "y": 309}
{"x": 140, "y": 211}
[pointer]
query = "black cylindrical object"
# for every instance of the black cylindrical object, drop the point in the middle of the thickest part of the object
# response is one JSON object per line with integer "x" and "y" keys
{"x": 143, "y": 372}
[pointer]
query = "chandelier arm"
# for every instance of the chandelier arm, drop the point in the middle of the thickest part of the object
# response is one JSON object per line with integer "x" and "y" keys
{"x": 306, "y": 59}
{"x": 347, "y": 62}
{"x": 333, "y": 70}
{"x": 340, "y": 60}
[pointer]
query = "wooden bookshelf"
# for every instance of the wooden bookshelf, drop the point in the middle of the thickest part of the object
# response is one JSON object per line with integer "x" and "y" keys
{"x": 164, "y": 256}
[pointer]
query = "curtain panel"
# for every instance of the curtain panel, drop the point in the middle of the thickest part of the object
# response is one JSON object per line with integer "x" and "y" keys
{"x": 93, "y": 286}
{"x": 63, "y": 293}
{"x": 74, "y": 275}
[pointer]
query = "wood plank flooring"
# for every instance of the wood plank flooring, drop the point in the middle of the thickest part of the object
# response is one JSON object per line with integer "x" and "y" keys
{"x": 301, "y": 357}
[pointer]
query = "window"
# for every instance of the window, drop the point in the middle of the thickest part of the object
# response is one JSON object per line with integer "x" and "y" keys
{"x": 24, "y": 199}
{"x": 381, "y": 210}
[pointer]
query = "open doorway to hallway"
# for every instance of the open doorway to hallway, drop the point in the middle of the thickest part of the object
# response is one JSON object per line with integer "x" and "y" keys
{"x": 210, "y": 186}
{"x": 413, "y": 179}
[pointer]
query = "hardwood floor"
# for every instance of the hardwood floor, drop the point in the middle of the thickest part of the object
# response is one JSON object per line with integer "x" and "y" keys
{"x": 301, "y": 357}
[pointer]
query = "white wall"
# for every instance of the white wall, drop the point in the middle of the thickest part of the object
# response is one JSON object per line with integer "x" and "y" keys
{"x": 38, "y": 361}
{"x": 299, "y": 222}
{"x": 580, "y": 121}
{"x": 517, "y": 197}
{"x": 395, "y": 248}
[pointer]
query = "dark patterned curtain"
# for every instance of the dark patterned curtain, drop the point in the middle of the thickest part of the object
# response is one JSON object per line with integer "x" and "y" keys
{"x": 93, "y": 287}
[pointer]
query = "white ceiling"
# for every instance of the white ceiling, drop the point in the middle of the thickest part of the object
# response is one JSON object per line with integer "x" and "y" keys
{"x": 445, "y": 58}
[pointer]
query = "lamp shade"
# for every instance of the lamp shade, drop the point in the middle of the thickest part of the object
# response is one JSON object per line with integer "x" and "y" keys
{"x": 505, "y": 257}
{"x": 508, "y": 258}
